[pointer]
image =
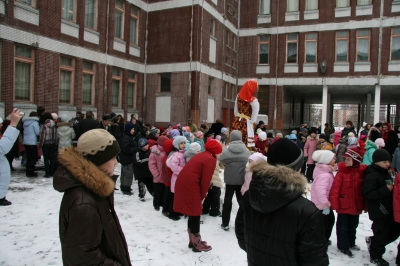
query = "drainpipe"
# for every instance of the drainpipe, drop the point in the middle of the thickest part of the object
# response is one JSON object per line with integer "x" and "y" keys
{"x": 380, "y": 44}
{"x": 145, "y": 66}
{"x": 237, "y": 50}
{"x": 190, "y": 67}
{"x": 201, "y": 50}
{"x": 276, "y": 66}
{"x": 106, "y": 63}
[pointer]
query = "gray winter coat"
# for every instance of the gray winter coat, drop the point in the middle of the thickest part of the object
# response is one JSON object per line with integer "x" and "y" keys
{"x": 235, "y": 158}
{"x": 65, "y": 134}
{"x": 396, "y": 159}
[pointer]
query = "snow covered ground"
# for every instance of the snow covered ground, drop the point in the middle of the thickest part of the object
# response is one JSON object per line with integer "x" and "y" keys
{"x": 29, "y": 231}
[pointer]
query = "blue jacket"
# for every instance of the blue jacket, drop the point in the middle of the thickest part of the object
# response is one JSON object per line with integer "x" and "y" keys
{"x": 6, "y": 142}
{"x": 31, "y": 130}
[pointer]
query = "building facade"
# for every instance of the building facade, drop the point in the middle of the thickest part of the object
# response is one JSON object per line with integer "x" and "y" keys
{"x": 166, "y": 61}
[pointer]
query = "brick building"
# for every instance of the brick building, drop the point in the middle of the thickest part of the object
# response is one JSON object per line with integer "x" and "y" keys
{"x": 171, "y": 60}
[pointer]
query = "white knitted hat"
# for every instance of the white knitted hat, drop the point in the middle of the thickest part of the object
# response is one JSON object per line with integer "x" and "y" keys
{"x": 322, "y": 156}
{"x": 262, "y": 136}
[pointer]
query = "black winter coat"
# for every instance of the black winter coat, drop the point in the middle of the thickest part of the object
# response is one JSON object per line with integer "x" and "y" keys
{"x": 275, "y": 224}
{"x": 378, "y": 197}
{"x": 346, "y": 131}
{"x": 128, "y": 149}
{"x": 85, "y": 125}
{"x": 141, "y": 164}
{"x": 90, "y": 232}
{"x": 115, "y": 130}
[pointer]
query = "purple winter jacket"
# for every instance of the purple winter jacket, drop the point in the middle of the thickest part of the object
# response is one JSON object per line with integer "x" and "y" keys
{"x": 321, "y": 186}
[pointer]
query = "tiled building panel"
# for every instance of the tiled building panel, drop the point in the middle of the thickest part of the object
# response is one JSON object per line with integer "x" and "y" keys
{"x": 179, "y": 97}
{"x": 248, "y": 15}
{"x": 203, "y": 98}
{"x": 248, "y": 56}
{"x": 151, "y": 91}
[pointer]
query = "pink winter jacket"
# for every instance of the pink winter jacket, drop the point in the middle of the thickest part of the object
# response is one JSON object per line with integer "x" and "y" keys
{"x": 309, "y": 148}
{"x": 247, "y": 179}
{"x": 155, "y": 163}
{"x": 176, "y": 162}
{"x": 321, "y": 186}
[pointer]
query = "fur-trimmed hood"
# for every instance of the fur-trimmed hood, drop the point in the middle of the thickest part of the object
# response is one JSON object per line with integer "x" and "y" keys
{"x": 273, "y": 187}
{"x": 78, "y": 171}
{"x": 64, "y": 124}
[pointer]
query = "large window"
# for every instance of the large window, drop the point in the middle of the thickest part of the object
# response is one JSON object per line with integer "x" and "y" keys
{"x": 132, "y": 90}
{"x": 342, "y": 3}
{"x": 119, "y": 19}
{"x": 364, "y": 2}
{"x": 116, "y": 87}
{"x": 291, "y": 48}
{"x": 24, "y": 66}
{"x": 292, "y": 5}
{"x": 66, "y": 79}
{"x": 264, "y": 49}
{"x": 91, "y": 14}
{"x": 395, "y": 50}
{"x": 134, "y": 25}
{"x": 88, "y": 83}
{"x": 342, "y": 46}
{"x": 311, "y": 47}
{"x": 363, "y": 37}
{"x": 311, "y": 4}
{"x": 28, "y": 2}
{"x": 68, "y": 10}
{"x": 212, "y": 27}
{"x": 165, "y": 82}
{"x": 265, "y": 6}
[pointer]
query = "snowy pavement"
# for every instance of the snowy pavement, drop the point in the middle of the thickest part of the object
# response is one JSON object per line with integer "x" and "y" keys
{"x": 29, "y": 231}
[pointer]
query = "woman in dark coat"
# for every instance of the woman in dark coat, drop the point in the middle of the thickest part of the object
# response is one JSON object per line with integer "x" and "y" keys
{"x": 191, "y": 188}
{"x": 90, "y": 232}
{"x": 275, "y": 224}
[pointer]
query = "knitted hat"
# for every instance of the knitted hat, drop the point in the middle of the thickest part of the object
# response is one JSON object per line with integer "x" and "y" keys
{"x": 321, "y": 156}
{"x": 128, "y": 127}
{"x": 352, "y": 140}
{"x": 167, "y": 145}
{"x": 54, "y": 116}
{"x": 106, "y": 117}
{"x": 178, "y": 140}
{"x": 279, "y": 135}
{"x": 257, "y": 156}
{"x": 374, "y": 134}
{"x": 199, "y": 134}
{"x": 112, "y": 115}
{"x": 313, "y": 130}
{"x": 355, "y": 153}
{"x": 322, "y": 136}
{"x": 351, "y": 134}
{"x": 213, "y": 146}
{"x": 292, "y": 137}
{"x": 236, "y": 135}
{"x": 223, "y": 130}
{"x": 142, "y": 142}
{"x": 262, "y": 136}
{"x": 294, "y": 132}
{"x": 161, "y": 139}
{"x": 174, "y": 133}
{"x": 380, "y": 142}
{"x": 64, "y": 118}
{"x": 154, "y": 131}
{"x": 380, "y": 155}
{"x": 194, "y": 147}
{"x": 285, "y": 152}
{"x": 269, "y": 135}
{"x": 98, "y": 146}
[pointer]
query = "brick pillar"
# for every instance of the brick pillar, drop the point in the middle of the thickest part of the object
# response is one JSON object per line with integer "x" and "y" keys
{"x": 7, "y": 74}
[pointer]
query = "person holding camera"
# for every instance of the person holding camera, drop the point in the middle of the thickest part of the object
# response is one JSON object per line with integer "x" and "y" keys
{"x": 6, "y": 142}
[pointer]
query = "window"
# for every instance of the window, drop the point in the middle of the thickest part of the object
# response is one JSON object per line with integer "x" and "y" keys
{"x": 66, "y": 79}
{"x": 210, "y": 86}
{"x": 119, "y": 19}
{"x": 364, "y": 2}
{"x": 88, "y": 83}
{"x": 226, "y": 93}
{"x": 233, "y": 63}
{"x": 395, "y": 46}
{"x": 342, "y": 3}
{"x": 212, "y": 27}
{"x": 227, "y": 60}
{"x": 68, "y": 10}
{"x": 264, "y": 49}
{"x": 342, "y": 46}
{"x": 363, "y": 45}
{"x": 291, "y": 46}
{"x": 292, "y": 5}
{"x": 23, "y": 83}
{"x": 91, "y": 14}
{"x": 134, "y": 26}
{"x": 165, "y": 82}
{"x": 311, "y": 47}
{"x": 227, "y": 38}
{"x": 116, "y": 87}
{"x": 233, "y": 92}
{"x": 265, "y": 7}
{"x": 131, "y": 90}
{"x": 311, "y": 4}
{"x": 228, "y": 8}
{"x": 28, "y": 2}
{"x": 233, "y": 42}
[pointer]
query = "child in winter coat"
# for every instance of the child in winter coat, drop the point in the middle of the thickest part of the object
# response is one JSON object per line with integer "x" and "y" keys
{"x": 309, "y": 148}
{"x": 128, "y": 151}
{"x": 255, "y": 157}
{"x": 346, "y": 198}
{"x": 211, "y": 203}
{"x": 176, "y": 161}
{"x": 194, "y": 148}
{"x": 324, "y": 144}
{"x": 31, "y": 133}
{"x": 262, "y": 143}
{"x": 199, "y": 139}
{"x": 155, "y": 165}
{"x": 47, "y": 143}
{"x": 167, "y": 174}
{"x": 396, "y": 159}
{"x": 141, "y": 169}
{"x": 341, "y": 148}
{"x": 377, "y": 190}
{"x": 323, "y": 180}
{"x": 65, "y": 133}
{"x": 352, "y": 141}
{"x": 371, "y": 147}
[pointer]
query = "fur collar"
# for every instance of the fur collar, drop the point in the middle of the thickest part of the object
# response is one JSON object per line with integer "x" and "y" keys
{"x": 61, "y": 124}
{"x": 86, "y": 172}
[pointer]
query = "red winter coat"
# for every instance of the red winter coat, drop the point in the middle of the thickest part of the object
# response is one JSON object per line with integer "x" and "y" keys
{"x": 346, "y": 194}
{"x": 261, "y": 145}
{"x": 396, "y": 198}
{"x": 192, "y": 184}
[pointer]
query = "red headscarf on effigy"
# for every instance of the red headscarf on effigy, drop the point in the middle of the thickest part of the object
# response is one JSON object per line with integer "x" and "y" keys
{"x": 248, "y": 89}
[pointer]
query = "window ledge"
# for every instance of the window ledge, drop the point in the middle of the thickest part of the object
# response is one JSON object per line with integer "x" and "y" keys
{"x": 24, "y": 105}
{"x": 119, "y": 40}
{"x": 264, "y": 18}
{"x": 311, "y": 14}
{"x": 364, "y": 10}
{"x": 213, "y": 37}
{"x": 291, "y": 68}
{"x": 395, "y": 7}
{"x": 25, "y": 13}
{"x": 310, "y": 68}
{"x": 342, "y": 12}
{"x": 134, "y": 46}
{"x": 211, "y": 97}
{"x": 362, "y": 66}
{"x": 341, "y": 67}
{"x": 26, "y": 7}
{"x": 2, "y": 7}
{"x": 163, "y": 94}
{"x": 70, "y": 23}
{"x": 394, "y": 66}
{"x": 262, "y": 69}
{"x": 292, "y": 16}
{"x": 92, "y": 31}
{"x": 69, "y": 28}
{"x": 66, "y": 108}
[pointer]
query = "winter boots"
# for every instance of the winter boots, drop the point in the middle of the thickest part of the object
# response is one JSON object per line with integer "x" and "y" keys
{"x": 4, "y": 202}
{"x": 197, "y": 244}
